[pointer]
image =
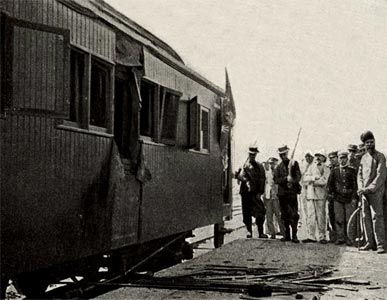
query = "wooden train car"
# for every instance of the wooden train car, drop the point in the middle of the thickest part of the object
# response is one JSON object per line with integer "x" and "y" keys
{"x": 110, "y": 144}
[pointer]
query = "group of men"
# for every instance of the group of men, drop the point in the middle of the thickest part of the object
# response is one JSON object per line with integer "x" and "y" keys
{"x": 329, "y": 194}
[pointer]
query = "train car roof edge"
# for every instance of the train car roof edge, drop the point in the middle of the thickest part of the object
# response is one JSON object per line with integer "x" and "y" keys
{"x": 157, "y": 47}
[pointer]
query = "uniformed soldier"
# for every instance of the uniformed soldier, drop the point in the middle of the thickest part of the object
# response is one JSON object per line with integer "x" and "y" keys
{"x": 333, "y": 160}
{"x": 333, "y": 163}
{"x": 288, "y": 188}
{"x": 352, "y": 149}
{"x": 252, "y": 178}
{"x": 342, "y": 190}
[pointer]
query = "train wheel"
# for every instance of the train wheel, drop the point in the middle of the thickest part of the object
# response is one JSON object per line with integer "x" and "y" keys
{"x": 3, "y": 287}
{"x": 32, "y": 286}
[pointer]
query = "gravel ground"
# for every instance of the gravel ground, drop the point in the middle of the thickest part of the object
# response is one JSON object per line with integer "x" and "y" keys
{"x": 282, "y": 256}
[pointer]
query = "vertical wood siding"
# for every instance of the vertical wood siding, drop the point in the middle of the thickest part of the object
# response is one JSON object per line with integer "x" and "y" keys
{"x": 53, "y": 193}
{"x": 86, "y": 32}
{"x": 38, "y": 82}
{"x": 184, "y": 186}
{"x": 165, "y": 75}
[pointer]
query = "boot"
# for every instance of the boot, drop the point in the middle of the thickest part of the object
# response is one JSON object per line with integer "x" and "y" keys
{"x": 294, "y": 234}
{"x": 367, "y": 247}
{"x": 287, "y": 234}
{"x": 261, "y": 235}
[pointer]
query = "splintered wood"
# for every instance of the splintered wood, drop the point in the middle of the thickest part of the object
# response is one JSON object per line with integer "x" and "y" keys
{"x": 255, "y": 281}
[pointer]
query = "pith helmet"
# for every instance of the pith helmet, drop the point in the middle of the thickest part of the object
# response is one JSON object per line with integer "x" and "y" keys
{"x": 321, "y": 152}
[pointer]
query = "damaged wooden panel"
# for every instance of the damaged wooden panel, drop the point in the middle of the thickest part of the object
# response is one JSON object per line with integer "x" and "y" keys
{"x": 125, "y": 192}
{"x": 62, "y": 178}
{"x": 184, "y": 186}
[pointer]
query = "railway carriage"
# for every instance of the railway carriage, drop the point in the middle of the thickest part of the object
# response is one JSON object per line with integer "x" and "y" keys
{"x": 110, "y": 144}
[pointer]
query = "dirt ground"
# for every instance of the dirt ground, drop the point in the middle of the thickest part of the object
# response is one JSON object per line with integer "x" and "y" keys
{"x": 283, "y": 256}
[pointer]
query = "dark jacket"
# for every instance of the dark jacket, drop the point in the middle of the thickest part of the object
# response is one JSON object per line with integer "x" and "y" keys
{"x": 281, "y": 173}
{"x": 342, "y": 186}
{"x": 252, "y": 178}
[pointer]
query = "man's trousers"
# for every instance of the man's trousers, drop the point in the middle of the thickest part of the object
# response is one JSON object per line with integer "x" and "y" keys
{"x": 289, "y": 214}
{"x": 316, "y": 217}
{"x": 376, "y": 208}
{"x": 273, "y": 209}
{"x": 343, "y": 212}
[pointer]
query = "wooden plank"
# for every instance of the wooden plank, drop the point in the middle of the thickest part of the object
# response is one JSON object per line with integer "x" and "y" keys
{"x": 50, "y": 73}
{"x": 45, "y": 12}
{"x": 85, "y": 121}
{"x": 60, "y": 15}
{"x": 77, "y": 27}
{"x": 59, "y": 71}
{"x": 29, "y": 100}
{"x": 66, "y": 16}
{"x": 105, "y": 39}
{"x": 84, "y": 31}
{"x": 329, "y": 279}
{"x": 50, "y": 13}
{"x": 88, "y": 33}
{"x": 39, "y": 56}
{"x": 91, "y": 34}
{"x": 110, "y": 101}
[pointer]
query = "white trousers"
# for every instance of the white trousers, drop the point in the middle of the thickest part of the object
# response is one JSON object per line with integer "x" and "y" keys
{"x": 316, "y": 218}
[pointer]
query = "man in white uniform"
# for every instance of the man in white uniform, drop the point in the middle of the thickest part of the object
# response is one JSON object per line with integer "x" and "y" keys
{"x": 316, "y": 179}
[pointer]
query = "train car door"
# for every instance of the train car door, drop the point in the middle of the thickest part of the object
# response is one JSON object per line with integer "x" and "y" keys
{"x": 127, "y": 197}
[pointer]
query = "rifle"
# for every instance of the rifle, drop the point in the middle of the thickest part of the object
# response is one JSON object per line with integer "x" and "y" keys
{"x": 291, "y": 162}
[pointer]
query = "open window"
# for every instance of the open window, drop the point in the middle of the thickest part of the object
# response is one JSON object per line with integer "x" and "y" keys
{"x": 99, "y": 93}
{"x": 147, "y": 113}
{"x": 204, "y": 129}
{"x": 169, "y": 108}
{"x": 199, "y": 129}
{"x": 90, "y": 92}
{"x": 159, "y": 112}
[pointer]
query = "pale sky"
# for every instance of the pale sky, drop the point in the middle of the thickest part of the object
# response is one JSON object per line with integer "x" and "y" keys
{"x": 319, "y": 65}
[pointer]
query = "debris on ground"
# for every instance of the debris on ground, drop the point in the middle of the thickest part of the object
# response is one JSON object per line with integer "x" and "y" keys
{"x": 252, "y": 281}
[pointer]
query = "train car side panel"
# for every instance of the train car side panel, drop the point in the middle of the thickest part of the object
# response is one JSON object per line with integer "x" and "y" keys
{"x": 186, "y": 183}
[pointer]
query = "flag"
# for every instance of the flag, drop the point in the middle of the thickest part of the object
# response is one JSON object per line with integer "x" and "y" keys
{"x": 230, "y": 98}
{"x": 227, "y": 122}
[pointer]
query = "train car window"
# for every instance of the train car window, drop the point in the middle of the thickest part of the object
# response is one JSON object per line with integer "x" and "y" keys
{"x": 193, "y": 113}
{"x": 204, "y": 129}
{"x": 168, "y": 117}
{"x": 199, "y": 126}
{"x": 99, "y": 88}
{"x": 76, "y": 85}
{"x": 148, "y": 92}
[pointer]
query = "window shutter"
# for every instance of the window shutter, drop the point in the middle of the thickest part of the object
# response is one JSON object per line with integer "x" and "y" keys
{"x": 39, "y": 67}
{"x": 194, "y": 119}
